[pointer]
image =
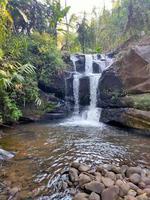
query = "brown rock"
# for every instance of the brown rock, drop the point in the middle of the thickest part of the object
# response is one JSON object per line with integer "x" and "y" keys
{"x": 83, "y": 179}
{"x": 107, "y": 181}
{"x": 135, "y": 178}
{"x": 94, "y": 196}
{"x": 116, "y": 170}
{"x": 111, "y": 175}
{"x": 128, "y": 197}
{"x": 110, "y": 193}
{"x": 81, "y": 196}
{"x": 124, "y": 187}
{"x": 147, "y": 191}
{"x": 142, "y": 197}
{"x": 146, "y": 180}
{"x": 73, "y": 174}
{"x": 119, "y": 176}
{"x": 84, "y": 168}
{"x": 133, "y": 170}
{"x": 75, "y": 165}
{"x": 95, "y": 186}
{"x": 132, "y": 193}
{"x": 98, "y": 176}
{"x": 133, "y": 186}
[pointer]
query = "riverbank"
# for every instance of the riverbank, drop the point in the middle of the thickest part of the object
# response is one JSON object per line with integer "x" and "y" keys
{"x": 108, "y": 182}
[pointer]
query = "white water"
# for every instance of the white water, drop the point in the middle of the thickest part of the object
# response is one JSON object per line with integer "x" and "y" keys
{"x": 91, "y": 115}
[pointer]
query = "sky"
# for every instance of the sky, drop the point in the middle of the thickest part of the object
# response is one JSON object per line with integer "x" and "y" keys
{"x": 79, "y": 6}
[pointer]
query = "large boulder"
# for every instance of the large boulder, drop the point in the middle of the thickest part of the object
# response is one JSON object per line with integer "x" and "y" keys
{"x": 124, "y": 89}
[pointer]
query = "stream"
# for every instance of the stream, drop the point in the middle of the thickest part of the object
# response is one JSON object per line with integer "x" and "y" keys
{"x": 45, "y": 150}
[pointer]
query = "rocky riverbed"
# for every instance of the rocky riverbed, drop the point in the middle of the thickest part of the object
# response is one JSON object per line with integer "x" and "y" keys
{"x": 108, "y": 182}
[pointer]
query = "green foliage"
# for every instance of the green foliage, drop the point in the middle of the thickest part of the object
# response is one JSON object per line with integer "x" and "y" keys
{"x": 28, "y": 52}
{"x": 109, "y": 29}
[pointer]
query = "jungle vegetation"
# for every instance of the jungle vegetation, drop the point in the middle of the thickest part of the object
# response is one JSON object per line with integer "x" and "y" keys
{"x": 34, "y": 35}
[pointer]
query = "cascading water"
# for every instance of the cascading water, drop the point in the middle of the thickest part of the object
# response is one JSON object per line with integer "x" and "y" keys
{"x": 91, "y": 115}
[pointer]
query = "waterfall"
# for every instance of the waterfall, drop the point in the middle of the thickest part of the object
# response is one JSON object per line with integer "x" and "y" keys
{"x": 91, "y": 115}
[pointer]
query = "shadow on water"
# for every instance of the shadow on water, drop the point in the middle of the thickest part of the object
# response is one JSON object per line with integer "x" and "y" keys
{"x": 45, "y": 150}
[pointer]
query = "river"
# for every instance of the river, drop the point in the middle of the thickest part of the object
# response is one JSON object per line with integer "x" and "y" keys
{"x": 44, "y": 150}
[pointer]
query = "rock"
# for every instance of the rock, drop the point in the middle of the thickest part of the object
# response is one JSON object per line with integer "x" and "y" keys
{"x": 139, "y": 192}
{"x": 122, "y": 89}
{"x": 132, "y": 193}
{"x": 111, "y": 175}
{"x": 124, "y": 187}
{"x": 73, "y": 174}
{"x": 142, "y": 185}
{"x": 83, "y": 179}
{"x": 128, "y": 117}
{"x": 135, "y": 178}
{"x": 98, "y": 176}
{"x": 110, "y": 193}
{"x": 128, "y": 197}
{"x": 64, "y": 185}
{"x": 116, "y": 170}
{"x": 95, "y": 186}
{"x": 119, "y": 176}
{"x": 146, "y": 180}
{"x": 5, "y": 155}
{"x": 133, "y": 186}
{"x": 75, "y": 165}
{"x": 142, "y": 197}
{"x": 147, "y": 191}
{"x": 84, "y": 91}
{"x": 81, "y": 196}
{"x": 102, "y": 170}
{"x": 124, "y": 168}
{"x": 107, "y": 181}
{"x": 133, "y": 170}
{"x": 94, "y": 196}
{"x": 84, "y": 168}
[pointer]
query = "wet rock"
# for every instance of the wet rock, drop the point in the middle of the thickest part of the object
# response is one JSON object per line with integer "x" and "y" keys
{"x": 110, "y": 193}
{"x": 81, "y": 196}
{"x": 64, "y": 185}
{"x": 102, "y": 170}
{"x": 135, "y": 178}
{"x": 95, "y": 186}
{"x": 124, "y": 168}
{"x": 94, "y": 196}
{"x": 75, "y": 165}
{"x": 73, "y": 174}
{"x": 111, "y": 175}
{"x": 133, "y": 170}
{"x": 142, "y": 197}
{"x": 107, "y": 181}
{"x": 83, "y": 179}
{"x": 116, "y": 170}
{"x": 84, "y": 168}
{"x": 5, "y": 155}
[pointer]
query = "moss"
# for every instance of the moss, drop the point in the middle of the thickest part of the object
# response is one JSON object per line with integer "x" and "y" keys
{"x": 140, "y": 101}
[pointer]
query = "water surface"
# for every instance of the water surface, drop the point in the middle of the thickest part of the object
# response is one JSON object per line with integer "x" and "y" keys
{"x": 44, "y": 150}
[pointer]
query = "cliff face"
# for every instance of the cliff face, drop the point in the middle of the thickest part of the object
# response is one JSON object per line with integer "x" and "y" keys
{"x": 124, "y": 89}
